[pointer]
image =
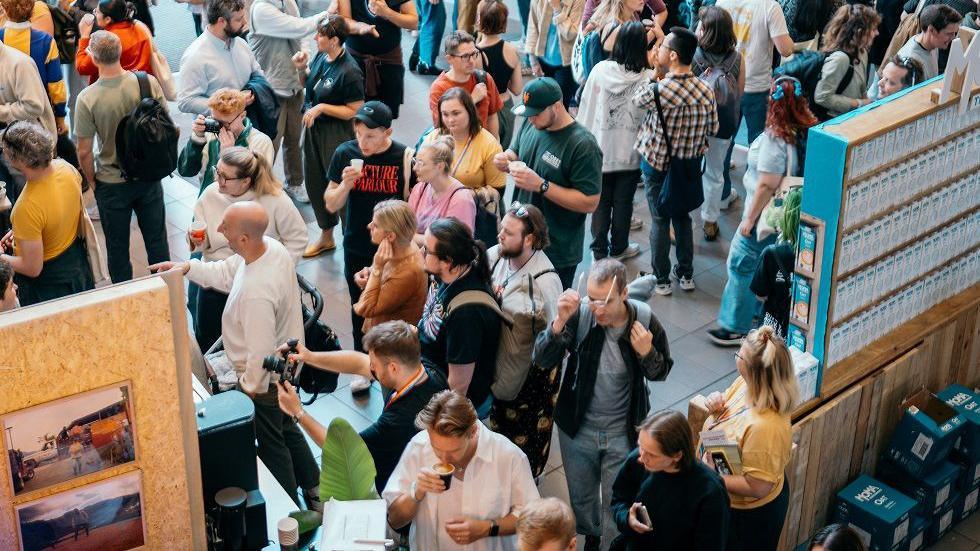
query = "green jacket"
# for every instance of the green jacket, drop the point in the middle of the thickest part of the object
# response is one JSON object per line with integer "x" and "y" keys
{"x": 196, "y": 154}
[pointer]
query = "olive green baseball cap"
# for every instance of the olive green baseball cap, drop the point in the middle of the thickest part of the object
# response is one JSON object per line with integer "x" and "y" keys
{"x": 538, "y": 95}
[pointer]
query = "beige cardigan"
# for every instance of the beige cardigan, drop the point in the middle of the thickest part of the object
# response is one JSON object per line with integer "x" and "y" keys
{"x": 567, "y": 21}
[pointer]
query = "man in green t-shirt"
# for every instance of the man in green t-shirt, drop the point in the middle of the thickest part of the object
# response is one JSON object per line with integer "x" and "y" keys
{"x": 557, "y": 166}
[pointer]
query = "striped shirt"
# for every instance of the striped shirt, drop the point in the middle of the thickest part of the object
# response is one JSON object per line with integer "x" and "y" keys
{"x": 690, "y": 115}
{"x": 44, "y": 51}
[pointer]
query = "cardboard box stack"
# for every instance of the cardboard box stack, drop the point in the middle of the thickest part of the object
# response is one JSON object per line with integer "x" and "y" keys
{"x": 928, "y": 479}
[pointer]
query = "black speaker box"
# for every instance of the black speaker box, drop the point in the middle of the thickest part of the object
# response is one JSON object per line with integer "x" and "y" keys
{"x": 226, "y": 437}
{"x": 256, "y": 527}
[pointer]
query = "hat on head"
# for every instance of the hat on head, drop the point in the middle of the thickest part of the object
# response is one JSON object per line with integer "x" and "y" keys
{"x": 374, "y": 114}
{"x": 538, "y": 95}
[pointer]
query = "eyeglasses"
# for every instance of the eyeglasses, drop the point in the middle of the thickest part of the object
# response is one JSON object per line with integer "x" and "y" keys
{"x": 418, "y": 163}
{"x": 466, "y": 57}
{"x": 425, "y": 251}
{"x": 221, "y": 177}
{"x": 597, "y": 304}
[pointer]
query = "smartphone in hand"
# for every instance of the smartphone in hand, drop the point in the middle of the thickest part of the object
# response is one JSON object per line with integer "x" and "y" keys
{"x": 643, "y": 516}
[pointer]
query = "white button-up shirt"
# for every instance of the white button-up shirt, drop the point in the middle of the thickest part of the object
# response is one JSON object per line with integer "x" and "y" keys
{"x": 496, "y": 483}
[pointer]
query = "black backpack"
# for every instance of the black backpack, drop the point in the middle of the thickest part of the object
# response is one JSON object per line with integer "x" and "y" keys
{"x": 146, "y": 139}
{"x": 65, "y": 34}
{"x": 807, "y": 67}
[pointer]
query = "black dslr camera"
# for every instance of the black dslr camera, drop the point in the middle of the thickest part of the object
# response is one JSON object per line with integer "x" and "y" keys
{"x": 212, "y": 125}
{"x": 286, "y": 369}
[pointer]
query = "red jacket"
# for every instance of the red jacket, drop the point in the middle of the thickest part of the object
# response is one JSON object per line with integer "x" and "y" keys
{"x": 136, "y": 51}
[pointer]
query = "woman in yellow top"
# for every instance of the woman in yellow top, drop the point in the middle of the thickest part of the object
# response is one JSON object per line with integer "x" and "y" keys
{"x": 755, "y": 413}
{"x": 49, "y": 260}
{"x": 475, "y": 146}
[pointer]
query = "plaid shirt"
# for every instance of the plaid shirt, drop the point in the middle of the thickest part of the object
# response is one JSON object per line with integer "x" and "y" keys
{"x": 690, "y": 114}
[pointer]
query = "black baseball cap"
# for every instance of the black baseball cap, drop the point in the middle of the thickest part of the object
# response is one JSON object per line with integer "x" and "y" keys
{"x": 374, "y": 114}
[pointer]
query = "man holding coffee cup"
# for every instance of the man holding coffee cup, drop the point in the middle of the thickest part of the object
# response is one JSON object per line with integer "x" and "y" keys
{"x": 557, "y": 166}
{"x": 363, "y": 172}
{"x": 458, "y": 482}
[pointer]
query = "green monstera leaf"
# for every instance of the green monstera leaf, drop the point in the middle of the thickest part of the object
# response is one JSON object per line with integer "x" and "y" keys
{"x": 347, "y": 469}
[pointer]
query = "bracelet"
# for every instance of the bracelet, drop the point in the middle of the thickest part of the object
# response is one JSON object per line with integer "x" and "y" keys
{"x": 298, "y": 416}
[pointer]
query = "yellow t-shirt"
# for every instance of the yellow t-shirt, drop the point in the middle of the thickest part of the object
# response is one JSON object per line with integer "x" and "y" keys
{"x": 764, "y": 437}
{"x": 48, "y": 210}
{"x": 473, "y": 161}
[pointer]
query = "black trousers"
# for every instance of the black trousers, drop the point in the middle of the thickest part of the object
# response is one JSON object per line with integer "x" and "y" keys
{"x": 282, "y": 447}
{"x": 759, "y": 529}
{"x": 66, "y": 274}
{"x": 209, "y": 307}
{"x": 615, "y": 210}
{"x": 117, "y": 203}
{"x": 354, "y": 263}
{"x": 567, "y": 275}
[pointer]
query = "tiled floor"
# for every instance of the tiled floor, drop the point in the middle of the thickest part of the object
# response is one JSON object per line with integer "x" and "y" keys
{"x": 699, "y": 366}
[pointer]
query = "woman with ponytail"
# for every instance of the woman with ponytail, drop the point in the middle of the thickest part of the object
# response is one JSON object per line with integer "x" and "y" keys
{"x": 459, "y": 342}
{"x": 115, "y": 16}
{"x": 438, "y": 194}
{"x": 755, "y": 413}
{"x": 240, "y": 175}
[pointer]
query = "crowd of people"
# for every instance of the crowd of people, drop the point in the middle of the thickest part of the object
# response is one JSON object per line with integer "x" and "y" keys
{"x": 465, "y": 307}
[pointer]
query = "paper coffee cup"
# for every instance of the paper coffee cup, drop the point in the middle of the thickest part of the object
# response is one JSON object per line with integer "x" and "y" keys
{"x": 445, "y": 472}
{"x": 198, "y": 229}
{"x": 357, "y": 164}
{"x": 516, "y": 165}
{"x": 288, "y": 531}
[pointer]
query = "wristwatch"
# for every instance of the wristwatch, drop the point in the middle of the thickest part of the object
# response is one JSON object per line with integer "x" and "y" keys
{"x": 298, "y": 416}
{"x": 494, "y": 528}
{"x": 545, "y": 184}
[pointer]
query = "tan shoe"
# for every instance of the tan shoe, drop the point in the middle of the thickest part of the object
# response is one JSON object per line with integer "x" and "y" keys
{"x": 326, "y": 243}
{"x": 710, "y": 231}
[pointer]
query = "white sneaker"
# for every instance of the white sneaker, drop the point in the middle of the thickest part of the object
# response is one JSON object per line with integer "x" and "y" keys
{"x": 731, "y": 200}
{"x": 298, "y": 193}
{"x": 664, "y": 289}
{"x": 360, "y": 384}
{"x": 630, "y": 251}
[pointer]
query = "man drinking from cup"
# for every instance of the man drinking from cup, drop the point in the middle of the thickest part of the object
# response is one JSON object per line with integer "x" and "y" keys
{"x": 363, "y": 172}
{"x": 489, "y": 481}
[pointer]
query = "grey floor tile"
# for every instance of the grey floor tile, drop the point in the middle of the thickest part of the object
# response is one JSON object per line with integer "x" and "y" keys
{"x": 970, "y": 527}
{"x": 954, "y": 541}
{"x": 325, "y": 409}
{"x": 554, "y": 485}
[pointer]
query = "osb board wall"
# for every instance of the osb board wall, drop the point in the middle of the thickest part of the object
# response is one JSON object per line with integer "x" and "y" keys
{"x": 847, "y": 435}
{"x": 120, "y": 333}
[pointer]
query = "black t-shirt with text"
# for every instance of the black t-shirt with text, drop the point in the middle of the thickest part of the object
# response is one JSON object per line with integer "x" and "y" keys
{"x": 388, "y": 436}
{"x": 772, "y": 280}
{"x": 470, "y": 335}
{"x": 336, "y": 82}
{"x": 383, "y": 178}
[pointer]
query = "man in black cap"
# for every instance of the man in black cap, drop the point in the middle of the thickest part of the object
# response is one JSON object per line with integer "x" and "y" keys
{"x": 557, "y": 166}
{"x": 690, "y": 116}
{"x": 363, "y": 172}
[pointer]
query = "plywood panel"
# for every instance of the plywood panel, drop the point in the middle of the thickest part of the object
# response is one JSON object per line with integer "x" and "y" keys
{"x": 130, "y": 332}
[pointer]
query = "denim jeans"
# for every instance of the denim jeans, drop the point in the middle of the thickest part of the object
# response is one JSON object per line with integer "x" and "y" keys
{"x": 117, "y": 202}
{"x": 754, "y": 107}
{"x": 660, "y": 233}
{"x": 592, "y": 460}
{"x": 738, "y": 303}
{"x": 432, "y": 23}
{"x": 524, "y": 11}
{"x": 715, "y": 175}
{"x": 615, "y": 209}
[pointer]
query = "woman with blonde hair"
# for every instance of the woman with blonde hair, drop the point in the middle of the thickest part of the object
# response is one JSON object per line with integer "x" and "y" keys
{"x": 438, "y": 194}
{"x": 240, "y": 175}
{"x": 394, "y": 286}
{"x": 755, "y": 413}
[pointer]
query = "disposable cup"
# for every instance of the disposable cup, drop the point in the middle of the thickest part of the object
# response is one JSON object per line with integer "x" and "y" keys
{"x": 198, "y": 229}
{"x": 357, "y": 164}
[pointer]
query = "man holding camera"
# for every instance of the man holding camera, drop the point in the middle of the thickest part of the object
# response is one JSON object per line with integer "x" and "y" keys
{"x": 227, "y": 126}
{"x": 263, "y": 310}
{"x": 393, "y": 358}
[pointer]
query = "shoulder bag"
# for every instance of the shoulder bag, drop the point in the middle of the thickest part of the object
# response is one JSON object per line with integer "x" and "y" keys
{"x": 681, "y": 191}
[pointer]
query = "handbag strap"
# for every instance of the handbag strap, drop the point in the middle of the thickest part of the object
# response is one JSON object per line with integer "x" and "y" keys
{"x": 663, "y": 123}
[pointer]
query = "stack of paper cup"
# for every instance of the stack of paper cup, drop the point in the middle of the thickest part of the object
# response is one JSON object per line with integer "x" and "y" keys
{"x": 288, "y": 533}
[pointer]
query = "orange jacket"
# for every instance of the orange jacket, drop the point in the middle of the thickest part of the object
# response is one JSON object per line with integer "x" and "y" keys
{"x": 136, "y": 51}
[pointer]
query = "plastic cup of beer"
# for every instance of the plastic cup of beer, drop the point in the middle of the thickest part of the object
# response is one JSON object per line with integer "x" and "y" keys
{"x": 198, "y": 230}
{"x": 445, "y": 472}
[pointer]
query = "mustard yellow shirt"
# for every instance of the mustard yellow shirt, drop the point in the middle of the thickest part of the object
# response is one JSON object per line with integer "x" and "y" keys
{"x": 48, "y": 210}
{"x": 764, "y": 437}
{"x": 473, "y": 161}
